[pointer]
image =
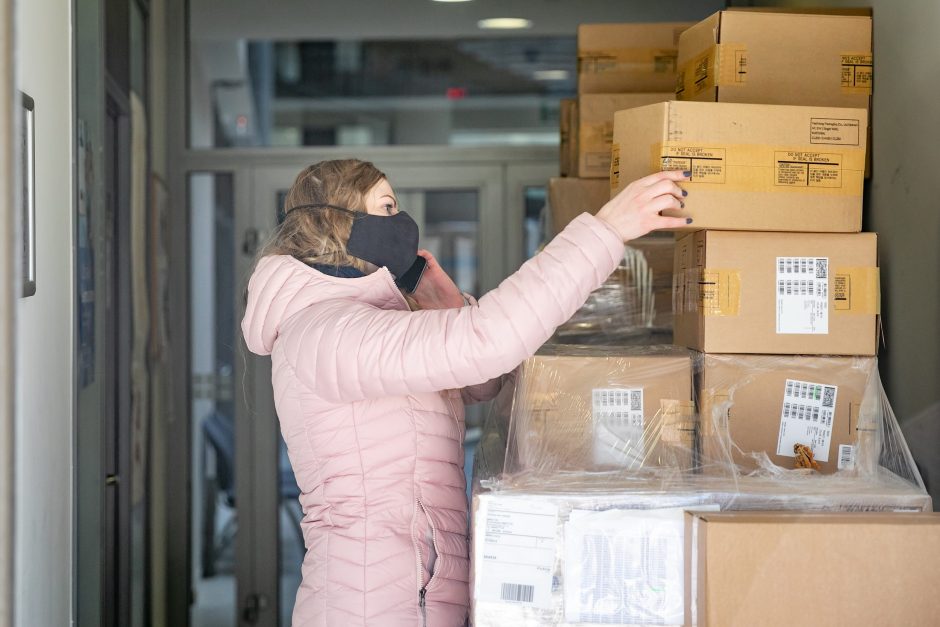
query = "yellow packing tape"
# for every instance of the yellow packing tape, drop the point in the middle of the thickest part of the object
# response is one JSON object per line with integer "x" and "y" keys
{"x": 678, "y": 420}
{"x": 655, "y": 60}
{"x": 856, "y": 72}
{"x": 720, "y": 292}
{"x": 615, "y": 166}
{"x": 829, "y": 169}
{"x": 719, "y": 66}
{"x": 856, "y": 291}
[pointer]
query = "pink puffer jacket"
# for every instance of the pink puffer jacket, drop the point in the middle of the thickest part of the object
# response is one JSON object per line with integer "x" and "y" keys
{"x": 370, "y": 400}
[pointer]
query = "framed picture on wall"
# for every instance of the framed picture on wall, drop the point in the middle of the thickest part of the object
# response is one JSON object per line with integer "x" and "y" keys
{"x": 28, "y": 173}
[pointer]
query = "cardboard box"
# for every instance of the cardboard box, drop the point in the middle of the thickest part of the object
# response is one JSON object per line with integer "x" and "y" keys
{"x": 569, "y": 197}
{"x": 618, "y": 58}
{"x": 579, "y": 408}
{"x": 760, "y": 404}
{"x": 765, "y": 56}
{"x": 775, "y": 568}
{"x": 777, "y": 293}
{"x": 772, "y": 57}
{"x": 595, "y": 128}
{"x": 604, "y": 550}
{"x": 567, "y": 113}
{"x": 754, "y": 167}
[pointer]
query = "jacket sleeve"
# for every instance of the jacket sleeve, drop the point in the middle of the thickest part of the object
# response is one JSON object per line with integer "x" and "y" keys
{"x": 482, "y": 392}
{"x": 349, "y": 351}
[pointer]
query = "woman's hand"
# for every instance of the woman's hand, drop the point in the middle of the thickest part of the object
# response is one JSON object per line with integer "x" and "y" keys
{"x": 635, "y": 211}
{"x": 436, "y": 290}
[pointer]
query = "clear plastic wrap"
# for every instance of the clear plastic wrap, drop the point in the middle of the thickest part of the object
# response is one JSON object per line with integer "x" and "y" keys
{"x": 586, "y": 408}
{"x": 634, "y": 305}
{"x": 575, "y": 527}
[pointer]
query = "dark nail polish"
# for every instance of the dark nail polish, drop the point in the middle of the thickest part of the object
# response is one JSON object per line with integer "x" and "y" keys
{"x": 681, "y": 205}
{"x": 687, "y": 174}
{"x": 688, "y": 220}
{"x": 685, "y": 193}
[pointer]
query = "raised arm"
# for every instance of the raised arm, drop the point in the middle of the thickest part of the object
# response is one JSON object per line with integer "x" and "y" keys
{"x": 352, "y": 351}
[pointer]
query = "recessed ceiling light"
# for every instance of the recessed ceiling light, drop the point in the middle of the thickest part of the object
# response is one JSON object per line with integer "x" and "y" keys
{"x": 550, "y": 75}
{"x": 504, "y": 23}
{"x": 451, "y": 0}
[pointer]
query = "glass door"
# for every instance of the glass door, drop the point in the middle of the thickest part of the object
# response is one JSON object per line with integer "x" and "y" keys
{"x": 460, "y": 214}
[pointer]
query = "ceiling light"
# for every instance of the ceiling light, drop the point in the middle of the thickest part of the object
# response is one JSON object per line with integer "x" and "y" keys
{"x": 504, "y": 23}
{"x": 550, "y": 75}
{"x": 451, "y": 0}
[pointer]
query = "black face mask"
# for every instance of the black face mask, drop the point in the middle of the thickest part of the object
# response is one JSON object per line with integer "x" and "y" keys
{"x": 389, "y": 241}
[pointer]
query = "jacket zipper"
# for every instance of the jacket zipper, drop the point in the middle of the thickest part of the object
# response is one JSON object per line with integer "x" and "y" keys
{"x": 423, "y": 589}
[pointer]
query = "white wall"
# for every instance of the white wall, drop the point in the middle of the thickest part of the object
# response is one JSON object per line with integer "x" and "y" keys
{"x": 44, "y": 353}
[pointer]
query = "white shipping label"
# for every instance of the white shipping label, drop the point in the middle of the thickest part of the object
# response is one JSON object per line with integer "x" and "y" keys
{"x": 803, "y": 295}
{"x": 806, "y": 418}
{"x": 515, "y": 560}
{"x": 617, "y": 415}
{"x": 846, "y": 456}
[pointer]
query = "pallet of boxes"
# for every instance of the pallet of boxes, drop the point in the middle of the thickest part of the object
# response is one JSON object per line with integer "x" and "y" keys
{"x": 753, "y": 473}
{"x": 620, "y": 66}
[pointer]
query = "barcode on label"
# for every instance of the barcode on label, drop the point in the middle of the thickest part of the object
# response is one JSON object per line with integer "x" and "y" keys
{"x": 846, "y": 456}
{"x": 822, "y": 268}
{"x": 520, "y": 593}
{"x": 636, "y": 401}
{"x": 829, "y": 396}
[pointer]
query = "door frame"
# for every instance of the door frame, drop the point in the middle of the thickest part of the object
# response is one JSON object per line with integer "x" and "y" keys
{"x": 8, "y": 283}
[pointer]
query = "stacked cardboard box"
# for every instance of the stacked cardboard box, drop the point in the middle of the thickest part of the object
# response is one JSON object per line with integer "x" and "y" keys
{"x": 776, "y": 264}
{"x": 624, "y": 500}
{"x": 620, "y": 66}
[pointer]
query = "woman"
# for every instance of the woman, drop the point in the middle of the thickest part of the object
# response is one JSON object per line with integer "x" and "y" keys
{"x": 370, "y": 382}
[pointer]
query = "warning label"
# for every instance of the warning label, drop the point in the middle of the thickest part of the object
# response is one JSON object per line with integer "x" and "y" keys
{"x": 842, "y": 132}
{"x": 706, "y": 164}
{"x": 807, "y": 169}
{"x": 857, "y": 72}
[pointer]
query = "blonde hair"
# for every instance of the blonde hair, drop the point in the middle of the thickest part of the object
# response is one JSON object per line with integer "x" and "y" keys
{"x": 320, "y": 236}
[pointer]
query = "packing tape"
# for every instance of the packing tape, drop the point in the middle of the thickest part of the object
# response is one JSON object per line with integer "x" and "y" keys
{"x": 831, "y": 170}
{"x": 594, "y": 145}
{"x": 678, "y": 420}
{"x": 856, "y": 72}
{"x": 856, "y": 291}
{"x": 720, "y": 292}
{"x": 610, "y": 60}
{"x": 719, "y": 66}
{"x": 714, "y": 400}
{"x": 614, "y": 166}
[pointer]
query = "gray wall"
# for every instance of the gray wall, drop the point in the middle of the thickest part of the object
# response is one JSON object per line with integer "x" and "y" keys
{"x": 902, "y": 200}
{"x": 44, "y": 392}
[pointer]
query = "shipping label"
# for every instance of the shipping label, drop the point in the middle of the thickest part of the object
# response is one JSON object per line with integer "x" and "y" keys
{"x": 835, "y": 131}
{"x": 796, "y": 168}
{"x": 706, "y": 164}
{"x": 846, "y": 456}
{"x": 617, "y": 416}
{"x": 857, "y": 72}
{"x": 517, "y": 557}
{"x": 802, "y": 288}
{"x": 614, "y": 166}
{"x": 806, "y": 418}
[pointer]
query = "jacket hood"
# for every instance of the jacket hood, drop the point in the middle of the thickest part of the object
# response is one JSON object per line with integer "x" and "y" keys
{"x": 282, "y": 286}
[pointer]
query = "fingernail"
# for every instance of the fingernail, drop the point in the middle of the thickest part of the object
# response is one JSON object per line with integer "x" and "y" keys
{"x": 681, "y": 205}
{"x": 685, "y": 193}
{"x": 688, "y": 220}
{"x": 687, "y": 174}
